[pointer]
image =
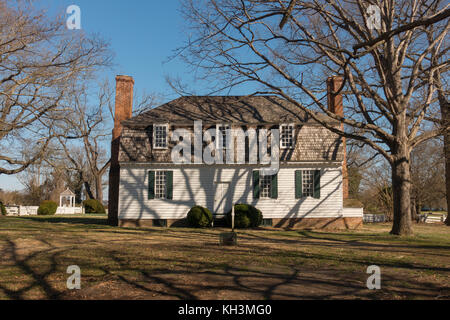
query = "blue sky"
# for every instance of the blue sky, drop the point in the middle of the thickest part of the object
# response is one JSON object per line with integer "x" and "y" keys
{"x": 142, "y": 34}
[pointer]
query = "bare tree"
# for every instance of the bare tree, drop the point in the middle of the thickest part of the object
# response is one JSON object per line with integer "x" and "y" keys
{"x": 428, "y": 174}
{"x": 84, "y": 135}
{"x": 43, "y": 181}
{"x": 387, "y": 77}
{"x": 39, "y": 63}
{"x": 88, "y": 129}
{"x": 11, "y": 197}
{"x": 441, "y": 83}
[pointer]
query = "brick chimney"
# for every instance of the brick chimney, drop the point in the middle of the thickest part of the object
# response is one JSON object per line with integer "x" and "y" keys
{"x": 335, "y": 105}
{"x": 123, "y": 111}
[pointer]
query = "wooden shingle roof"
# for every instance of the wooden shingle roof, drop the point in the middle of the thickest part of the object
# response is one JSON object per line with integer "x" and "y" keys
{"x": 313, "y": 141}
{"x": 227, "y": 109}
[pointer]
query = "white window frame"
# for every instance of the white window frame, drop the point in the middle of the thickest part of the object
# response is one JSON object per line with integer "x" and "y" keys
{"x": 157, "y": 195}
{"x": 219, "y": 132}
{"x": 310, "y": 174}
{"x": 283, "y": 146}
{"x": 166, "y": 125}
{"x": 261, "y": 186}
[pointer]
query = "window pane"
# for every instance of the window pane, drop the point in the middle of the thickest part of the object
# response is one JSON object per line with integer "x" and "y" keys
{"x": 160, "y": 136}
{"x": 265, "y": 185}
{"x": 308, "y": 183}
{"x": 160, "y": 185}
{"x": 287, "y": 136}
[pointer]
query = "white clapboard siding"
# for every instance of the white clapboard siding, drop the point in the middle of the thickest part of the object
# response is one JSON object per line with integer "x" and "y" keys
{"x": 353, "y": 212}
{"x": 196, "y": 185}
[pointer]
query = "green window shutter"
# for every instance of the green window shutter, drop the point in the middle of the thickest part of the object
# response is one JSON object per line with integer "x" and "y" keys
{"x": 298, "y": 184}
{"x": 169, "y": 184}
{"x": 317, "y": 184}
{"x": 151, "y": 185}
{"x": 274, "y": 187}
{"x": 256, "y": 184}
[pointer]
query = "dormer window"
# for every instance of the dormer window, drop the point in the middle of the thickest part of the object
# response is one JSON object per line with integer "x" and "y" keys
{"x": 221, "y": 133}
{"x": 287, "y": 136}
{"x": 160, "y": 135}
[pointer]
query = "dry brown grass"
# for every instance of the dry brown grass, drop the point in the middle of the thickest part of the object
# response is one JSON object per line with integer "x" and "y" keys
{"x": 179, "y": 263}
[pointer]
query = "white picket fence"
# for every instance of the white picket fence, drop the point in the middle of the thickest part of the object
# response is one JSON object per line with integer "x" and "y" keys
{"x": 69, "y": 210}
{"x": 32, "y": 211}
{"x": 430, "y": 218}
{"x": 427, "y": 218}
{"x": 21, "y": 210}
{"x": 12, "y": 210}
{"x": 372, "y": 218}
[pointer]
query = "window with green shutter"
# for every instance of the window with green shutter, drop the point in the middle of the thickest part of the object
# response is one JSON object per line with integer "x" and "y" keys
{"x": 151, "y": 185}
{"x": 317, "y": 184}
{"x": 274, "y": 187}
{"x": 256, "y": 184}
{"x": 307, "y": 184}
{"x": 169, "y": 185}
{"x": 265, "y": 186}
{"x": 298, "y": 184}
{"x": 160, "y": 185}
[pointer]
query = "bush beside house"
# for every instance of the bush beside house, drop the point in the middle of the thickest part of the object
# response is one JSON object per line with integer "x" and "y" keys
{"x": 245, "y": 216}
{"x": 47, "y": 208}
{"x": 199, "y": 217}
{"x": 93, "y": 206}
{"x": 2, "y": 209}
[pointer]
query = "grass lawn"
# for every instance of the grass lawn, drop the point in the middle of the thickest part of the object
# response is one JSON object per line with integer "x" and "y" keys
{"x": 179, "y": 263}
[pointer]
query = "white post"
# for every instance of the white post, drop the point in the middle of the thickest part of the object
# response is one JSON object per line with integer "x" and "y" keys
{"x": 232, "y": 218}
{"x": 60, "y": 201}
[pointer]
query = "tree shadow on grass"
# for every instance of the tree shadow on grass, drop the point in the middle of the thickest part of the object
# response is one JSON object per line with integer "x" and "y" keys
{"x": 38, "y": 276}
{"x": 193, "y": 277}
{"x": 295, "y": 282}
{"x": 172, "y": 274}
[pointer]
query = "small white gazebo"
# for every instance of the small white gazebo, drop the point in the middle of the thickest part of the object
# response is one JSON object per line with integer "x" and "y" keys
{"x": 67, "y": 199}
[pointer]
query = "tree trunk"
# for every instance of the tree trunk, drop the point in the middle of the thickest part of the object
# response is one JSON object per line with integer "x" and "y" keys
{"x": 446, "y": 121}
{"x": 418, "y": 209}
{"x": 88, "y": 190}
{"x": 414, "y": 215}
{"x": 401, "y": 188}
{"x": 99, "y": 189}
{"x": 78, "y": 190}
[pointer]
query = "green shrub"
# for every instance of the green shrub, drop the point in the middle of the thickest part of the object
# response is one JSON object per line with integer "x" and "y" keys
{"x": 199, "y": 217}
{"x": 2, "y": 209}
{"x": 93, "y": 206}
{"x": 47, "y": 208}
{"x": 245, "y": 216}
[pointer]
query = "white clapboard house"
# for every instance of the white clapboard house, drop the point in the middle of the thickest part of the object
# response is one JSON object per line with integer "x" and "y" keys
{"x": 147, "y": 187}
